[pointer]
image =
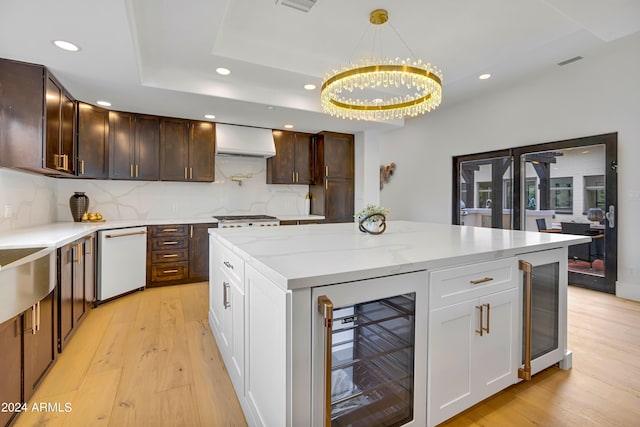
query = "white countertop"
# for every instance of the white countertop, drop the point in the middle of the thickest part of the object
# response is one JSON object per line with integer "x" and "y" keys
{"x": 300, "y": 217}
{"x": 314, "y": 255}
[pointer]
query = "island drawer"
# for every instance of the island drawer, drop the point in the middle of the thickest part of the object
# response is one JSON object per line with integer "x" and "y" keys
{"x": 232, "y": 265}
{"x": 454, "y": 285}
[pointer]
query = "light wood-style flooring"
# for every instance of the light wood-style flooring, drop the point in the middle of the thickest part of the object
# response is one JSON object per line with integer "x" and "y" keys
{"x": 149, "y": 359}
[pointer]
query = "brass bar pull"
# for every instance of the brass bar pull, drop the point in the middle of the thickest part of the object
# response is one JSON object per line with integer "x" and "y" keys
{"x": 297, "y": 177}
{"x": 131, "y": 170}
{"x": 326, "y": 184}
{"x": 525, "y": 373}
{"x": 133, "y": 233}
{"x": 169, "y": 230}
{"x": 228, "y": 264}
{"x": 38, "y": 316}
{"x": 185, "y": 173}
{"x": 479, "y": 331}
{"x": 325, "y": 308}
{"x": 170, "y": 256}
{"x": 79, "y": 246}
{"x": 33, "y": 319}
{"x": 293, "y": 176}
{"x": 191, "y": 231}
{"x": 82, "y": 167}
{"x": 225, "y": 295}
{"x": 488, "y": 316}
{"x": 170, "y": 243}
{"x": 137, "y": 171}
{"x": 169, "y": 271}
{"x": 190, "y": 173}
{"x": 326, "y": 170}
{"x": 484, "y": 280}
{"x": 90, "y": 247}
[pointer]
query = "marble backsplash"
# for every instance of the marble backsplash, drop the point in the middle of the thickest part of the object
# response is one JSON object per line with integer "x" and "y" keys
{"x": 35, "y": 199}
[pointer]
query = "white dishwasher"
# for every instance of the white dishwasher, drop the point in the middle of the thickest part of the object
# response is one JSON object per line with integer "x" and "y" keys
{"x": 122, "y": 261}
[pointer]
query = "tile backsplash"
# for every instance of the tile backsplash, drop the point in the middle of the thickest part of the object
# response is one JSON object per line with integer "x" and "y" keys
{"x": 37, "y": 200}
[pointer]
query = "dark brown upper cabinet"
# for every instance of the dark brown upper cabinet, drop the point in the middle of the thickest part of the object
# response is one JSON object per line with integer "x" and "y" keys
{"x": 334, "y": 155}
{"x": 93, "y": 142}
{"x": 134, "y": 146}
{"x": 293, "y": 162}
{"x": 187, "y": 150}
{"x": 38, "y": 118}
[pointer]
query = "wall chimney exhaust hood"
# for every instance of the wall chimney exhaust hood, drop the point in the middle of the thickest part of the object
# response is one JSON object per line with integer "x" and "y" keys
{"x": 244, "y": 141}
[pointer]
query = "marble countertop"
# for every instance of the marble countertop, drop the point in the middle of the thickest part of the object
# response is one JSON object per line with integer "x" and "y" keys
{"x": 300, "y": 217}
{"x": 315, "y": 255}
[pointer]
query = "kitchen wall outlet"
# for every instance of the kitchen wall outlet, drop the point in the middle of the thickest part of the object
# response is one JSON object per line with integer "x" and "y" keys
{"x": 8, "y": 211}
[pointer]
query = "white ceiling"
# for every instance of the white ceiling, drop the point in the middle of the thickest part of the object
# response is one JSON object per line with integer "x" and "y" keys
{"x": 160, "y": 56}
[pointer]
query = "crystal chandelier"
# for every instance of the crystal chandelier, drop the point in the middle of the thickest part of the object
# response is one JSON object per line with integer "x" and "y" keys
{"x": 381, "y": 88}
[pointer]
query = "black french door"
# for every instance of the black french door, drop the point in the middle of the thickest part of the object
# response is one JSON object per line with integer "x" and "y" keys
{"x": 551, "y": 187}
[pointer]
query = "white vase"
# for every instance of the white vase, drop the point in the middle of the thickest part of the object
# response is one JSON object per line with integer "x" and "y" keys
{"x": 307, "y": 206}
{"x": 372, "y": 226}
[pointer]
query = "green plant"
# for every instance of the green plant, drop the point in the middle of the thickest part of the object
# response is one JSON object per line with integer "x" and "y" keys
{"x": 369, "y": 210}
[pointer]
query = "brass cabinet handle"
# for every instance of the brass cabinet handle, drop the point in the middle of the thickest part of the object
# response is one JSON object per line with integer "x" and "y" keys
{"x": 525, "y": 373}
{"x": 79, "y": 252}
{"x": 66, "y": 162}
{"x": 191, "y": 231}
{"x": 167, "y": 230}
{"x": 169, "y": 271}
{"x": 228, "y": 264}
{"x": 479, "y": 331}
{"x": 185, "y": 173}
{"x": 169, "y": 243}
{"x": 297, "y": 177}
{"x": 82, "y": 167}
{"x": 137, "y": 171}
{"x": 293, "y": 176}
{"x": 488, "y": 316}
{"x": 37, "y": 316}
{"x": 225, "y": 295}
{"x": 326, "y": 184}
{"x": 90, "y": 247}
{"x": 132, "y": 233}
{"x": 325, "y": 308}
{"x": 190, "y": 173}
{"x": 33, "y": 319}
{"x": 483, "y": 280}
{"x": 170, "y": 256}
{"x": 326, "y": 170}
{"x": 131, "y": 170}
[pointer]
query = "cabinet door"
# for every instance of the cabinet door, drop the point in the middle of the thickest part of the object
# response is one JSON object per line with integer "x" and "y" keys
{"x": 65, "y": 294}
{"x": 236, "y": 347}
{"x": 174, "y": 150}
{"x": 303, "y": 158}
{"x": 451, "y": 337}
{"x": 121, "y": 145}
{"x": 338, "y": 200}
{"x": 202, "y": 151}
{"x": 281, "y": 167}
{"x": 53, "y": 100}
{"x": 147, "y": 147}
{"x": 79, "y": 304}
{"x": 10, "y": 365}
{"x": 39, "y": 345}
{"x": 67, "y": 131}
{"x": 89, "y": 271}
{"x": 199, "y": 251}
{"x": 216, "y": 287}
{"x": 21, "y": 109}
{"x": 338, "y": 151}
{"x": 93, "y": 142}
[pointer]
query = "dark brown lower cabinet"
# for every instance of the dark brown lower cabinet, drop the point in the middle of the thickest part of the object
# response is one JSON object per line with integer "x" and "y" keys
{"x": 10, "y": 367}
{"x": 39, "y": 344}
{"x": 199, "y": 251}
{"x": 333, "y": 199}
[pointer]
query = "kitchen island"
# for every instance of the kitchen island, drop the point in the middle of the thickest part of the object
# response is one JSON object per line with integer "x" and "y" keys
{"x": 390, "y": 329}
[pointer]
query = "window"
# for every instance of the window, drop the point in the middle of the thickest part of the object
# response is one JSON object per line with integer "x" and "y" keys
{"x": 484, "y": 194}
{"x": 562, "y": 195}
{"x": 594, "y": 192}
{"x": 531, "y": 201}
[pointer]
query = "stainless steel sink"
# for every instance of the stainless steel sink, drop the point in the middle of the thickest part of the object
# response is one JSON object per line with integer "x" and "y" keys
{"x": 26, "y": 276}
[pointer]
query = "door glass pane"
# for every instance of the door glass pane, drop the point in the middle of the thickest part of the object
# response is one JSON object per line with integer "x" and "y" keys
{"x": 544, "y": 309}
{"x": 373, "y": 363}
{"x": 486, "y": 192}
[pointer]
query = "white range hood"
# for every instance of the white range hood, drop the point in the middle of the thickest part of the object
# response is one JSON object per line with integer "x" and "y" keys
{"x": 244, "y": 141}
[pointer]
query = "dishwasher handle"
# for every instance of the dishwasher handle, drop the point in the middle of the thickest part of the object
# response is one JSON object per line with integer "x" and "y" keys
{"x": 133, "y": 233}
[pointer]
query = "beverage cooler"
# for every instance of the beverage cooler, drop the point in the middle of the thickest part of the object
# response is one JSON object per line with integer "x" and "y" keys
{"x": 369, "y": 347}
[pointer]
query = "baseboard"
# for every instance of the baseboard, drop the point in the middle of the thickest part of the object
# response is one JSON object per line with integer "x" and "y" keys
{"x": 628, "y": 290}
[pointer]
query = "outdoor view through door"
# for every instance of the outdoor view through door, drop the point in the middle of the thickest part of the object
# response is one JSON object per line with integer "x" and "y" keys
{"x": 559, "y": 187}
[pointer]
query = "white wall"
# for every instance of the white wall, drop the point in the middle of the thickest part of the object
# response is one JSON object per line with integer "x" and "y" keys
{"x": 596, "y": 95}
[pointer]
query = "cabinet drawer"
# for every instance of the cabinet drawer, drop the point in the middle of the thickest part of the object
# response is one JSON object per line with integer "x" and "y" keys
{"x": 169, "y": 230}
{"x": 232, "y": 265}
{"x": 169, "y": 256}
{"x": 167, "y": 272}
{"x": 454, "y": 285}
{"x": 169, "y": 243}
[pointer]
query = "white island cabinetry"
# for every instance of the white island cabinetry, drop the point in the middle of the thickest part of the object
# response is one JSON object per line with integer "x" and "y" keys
{"x": 451, "y": 312}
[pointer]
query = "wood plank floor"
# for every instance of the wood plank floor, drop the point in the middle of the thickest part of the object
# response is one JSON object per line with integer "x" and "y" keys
{"x": 149, "y": 359}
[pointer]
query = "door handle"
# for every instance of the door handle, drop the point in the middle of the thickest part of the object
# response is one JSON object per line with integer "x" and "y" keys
{"x": 225, "y": 295}
{"x": 228, "y": 265}
{"x": 611, "y": 216}
{"x": 525, "y": 373}
{"x": 133, "y": 233}
{"x": 325, "y": 308}
{"x": 488, "y": 316}
{"x": 480, "y": 330}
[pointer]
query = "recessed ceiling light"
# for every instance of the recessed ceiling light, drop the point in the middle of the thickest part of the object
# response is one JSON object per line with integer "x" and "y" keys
{"x": 288, "y": 126}
{"x": 484, "y": 76}
{"x": 209, "y": 116}
{"x": 66, "y": 45}
{"x": 223, "y": 71}
{"x": 309, "y": 86}
{"x": 104, "y": 103}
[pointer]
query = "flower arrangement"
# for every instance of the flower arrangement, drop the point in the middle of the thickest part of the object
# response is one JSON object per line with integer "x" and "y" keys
{"x": 372, "y": 219}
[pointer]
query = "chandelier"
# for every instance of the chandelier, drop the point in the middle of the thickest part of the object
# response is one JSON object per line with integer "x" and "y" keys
{"x": 381, "y": 88}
